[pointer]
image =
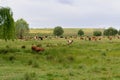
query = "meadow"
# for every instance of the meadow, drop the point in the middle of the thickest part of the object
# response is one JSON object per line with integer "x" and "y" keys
{"x": 82, "y": 60}
{"x": 67, "y": 31}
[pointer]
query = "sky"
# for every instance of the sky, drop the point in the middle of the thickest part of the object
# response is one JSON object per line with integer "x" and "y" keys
{"x": 66, "y": 13}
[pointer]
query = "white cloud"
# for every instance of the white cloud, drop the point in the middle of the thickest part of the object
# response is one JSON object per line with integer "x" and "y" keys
{"x": 67, "y": 13}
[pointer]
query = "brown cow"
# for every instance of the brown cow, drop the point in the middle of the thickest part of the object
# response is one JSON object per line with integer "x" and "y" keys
{"x": 81, "y": 38}
{"x": 110, "y": 37}
{"x": 37, "y": 49}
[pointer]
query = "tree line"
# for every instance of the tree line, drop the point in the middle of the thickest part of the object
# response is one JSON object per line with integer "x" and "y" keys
{"x": 9, "y": 29}
{"x": 58, "y": 31}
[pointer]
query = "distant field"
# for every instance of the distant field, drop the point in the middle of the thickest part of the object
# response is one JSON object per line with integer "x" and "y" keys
{"x": 43, "y": 31}
{"x": 67, "y": 31}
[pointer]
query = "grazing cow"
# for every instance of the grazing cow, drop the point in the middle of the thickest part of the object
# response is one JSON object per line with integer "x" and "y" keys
{"x": 38, "y": 37}
{"x": 66, "y": 37}
{"x": 41, "y": 38}
{"x": 94, "y": 38}
{"x": 89, "y": 38}
{"x": 37, "y": 49}
{"x": 35, "y": 37}
{"x": 110, "y": 37}
{"x": 69, "y": 42}
{"x": 99, "y": 38}
{"x": 81, "y": 38}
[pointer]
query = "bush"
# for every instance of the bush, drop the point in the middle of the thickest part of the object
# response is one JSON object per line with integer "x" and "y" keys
{"x": 80, "y": 32}
{"x": 97, "y": 33}
{"x": 110, "y": 32}
{"x": 58, "y": 31}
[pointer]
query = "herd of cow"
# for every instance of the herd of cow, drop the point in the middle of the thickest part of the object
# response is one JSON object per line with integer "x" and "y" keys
{"x": 89, "y": 38}
{"x": 69, "y": 40}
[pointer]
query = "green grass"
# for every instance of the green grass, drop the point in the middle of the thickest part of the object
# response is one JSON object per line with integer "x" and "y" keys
{"x": 82, "y": 60}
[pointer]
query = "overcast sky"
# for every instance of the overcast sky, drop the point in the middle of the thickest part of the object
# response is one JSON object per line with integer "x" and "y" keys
{"x": 66, "y": 13}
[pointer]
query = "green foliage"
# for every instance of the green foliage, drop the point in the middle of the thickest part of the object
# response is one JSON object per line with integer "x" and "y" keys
{"x": 119, "y": 32}
{"x": 97, "y": 33}
{"x": 58, "y": 31}
{"x": 7, "y": 29}
{"x": 22, "y": 28}
{"x": 80, "y": 32}
{"x": 110, "y": 32}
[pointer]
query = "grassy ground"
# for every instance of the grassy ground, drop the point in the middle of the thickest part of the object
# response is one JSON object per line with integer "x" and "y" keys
{"x": 82, "y": 60}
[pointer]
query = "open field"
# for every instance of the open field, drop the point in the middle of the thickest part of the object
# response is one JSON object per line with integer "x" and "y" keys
{"x": 67, "y": 31}
{"x": 82, "y": 60}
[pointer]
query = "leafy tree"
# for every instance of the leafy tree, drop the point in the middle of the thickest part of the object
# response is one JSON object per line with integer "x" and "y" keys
{"x": 97, "y": 33}
{"x": 80, "y": 32}
{"x": 22, "y": 28}
{"x": 119, "y": 32}
{"x": 7, "y": 29}
{"x": 110, "y": 31}
{"x": 58, "y": 31}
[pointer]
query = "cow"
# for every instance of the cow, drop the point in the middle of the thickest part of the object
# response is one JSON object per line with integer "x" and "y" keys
{"x": 110, "y": 37}
{"x": 69, "y": 42}
{"x": 81, "y": 38}
{"x": 36, "y": 48}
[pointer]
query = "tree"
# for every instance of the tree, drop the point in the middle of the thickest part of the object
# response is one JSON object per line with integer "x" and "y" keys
{"x": 110, "y": 32}
{"x": 58, "y": 31}
{"x": 119, "y": 32}
{"x": 22, "y": 28}
{"x": 80, "y": 32}
{"x": 97, "y": 33}
{"x": 7, "y": 29}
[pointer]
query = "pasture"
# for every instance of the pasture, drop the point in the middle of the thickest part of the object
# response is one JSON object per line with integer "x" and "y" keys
{"x": 67, "y": 31}
{"x": 81, "y": 60}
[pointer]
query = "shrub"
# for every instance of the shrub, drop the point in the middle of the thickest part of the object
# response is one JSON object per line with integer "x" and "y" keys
{"x": 97, "y": 33}
{"x": 110, "y": 32}
{"x": 58, "y": 31}
{"x": 80, "y": 32}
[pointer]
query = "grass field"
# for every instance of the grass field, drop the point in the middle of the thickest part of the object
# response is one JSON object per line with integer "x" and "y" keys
{"x": 82, "y": 60}
{"x": 67, "y": 31}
